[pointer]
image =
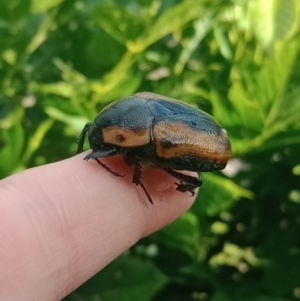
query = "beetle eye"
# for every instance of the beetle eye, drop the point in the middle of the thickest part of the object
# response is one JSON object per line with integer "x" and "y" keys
{"x": 194, "y": 123}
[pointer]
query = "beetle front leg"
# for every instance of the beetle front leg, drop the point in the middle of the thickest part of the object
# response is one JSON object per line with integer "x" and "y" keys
{"x": 187, "y": 183}
{"x": 107, "y": 153}
{"x": 102, "y": 153}
{"x": 81, "y": 138}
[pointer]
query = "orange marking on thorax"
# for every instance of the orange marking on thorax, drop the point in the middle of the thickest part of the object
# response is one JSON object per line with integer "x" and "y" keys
{"x": 124, "y": 137}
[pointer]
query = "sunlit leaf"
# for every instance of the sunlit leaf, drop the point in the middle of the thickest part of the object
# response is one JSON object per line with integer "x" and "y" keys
{"x": 285, "y": 18}
{"x": 63, "y": 89}
{"x": 260, "y": 14}
{"x": 75, "y": 122}
{"x": 12, "y": 136}
{"x": 234, "y": 255}
{"x": 41, "y": 6}
{"x": 223, "y": 42}
{"x": 119, "y": 22}
{"x": 170, "y": 21}
{"x": 296, "y": 170}
{"x": 218, "y": 194}
{"x": 36, "y": 139}
{"x": 201, "y": 26}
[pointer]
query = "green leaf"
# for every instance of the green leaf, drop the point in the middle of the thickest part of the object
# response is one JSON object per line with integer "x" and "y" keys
{"x": 234, "y": 255}
{"x": 75, "y": 122}
{"x": 218, "y": 194}
{"x": 119, "y": 22}
{"x": 172, "y": 20}
{"x": 126, "y": 278}
{"x": 222, "y": 296}
{"x": 260, "y": 16}
{"x": 99, "y": 46}
{"x": 296, "y": 170}
{"x": 284, "y": 105}
{"x": 36, "y": 139}
{"x": 183, "y": 234}
{"x": 264, "y": 298}
{"x": 294, "y": 196}
{"x": 14, "y": 11}
{"x": 12, "y": 135}
{"x": 62, "y": 89}
{"x": 286, "y": 18}
{"x": 41, "y": 6}
{"x": 222, "y": 39}
{"x": 10, "y": 56}
{"x": 258, "y": 105}
{"x": 201, "y": 27}
{"x": 273, "y": 20}
{"x": 124, "y": 87}
{"x": 41, "y": 35}
{"x": 219, "y": 228}
{"x": 115, "y": 77}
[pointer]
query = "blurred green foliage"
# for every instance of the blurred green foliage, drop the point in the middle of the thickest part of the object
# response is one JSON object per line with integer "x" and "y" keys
{"x": 61, "y": 61}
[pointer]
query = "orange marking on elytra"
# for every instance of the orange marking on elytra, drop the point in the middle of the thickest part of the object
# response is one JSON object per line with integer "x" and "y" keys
{"x": 188, "y": 142}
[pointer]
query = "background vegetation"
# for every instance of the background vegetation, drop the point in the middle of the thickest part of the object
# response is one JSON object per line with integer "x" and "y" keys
{"x": 61, "y": 61}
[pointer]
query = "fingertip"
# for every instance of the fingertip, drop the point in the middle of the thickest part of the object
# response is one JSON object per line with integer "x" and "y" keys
{"x": 168, "y": 203}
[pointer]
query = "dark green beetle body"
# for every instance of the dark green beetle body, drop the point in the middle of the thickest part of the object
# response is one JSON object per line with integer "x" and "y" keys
{"x": 164, "y": 132}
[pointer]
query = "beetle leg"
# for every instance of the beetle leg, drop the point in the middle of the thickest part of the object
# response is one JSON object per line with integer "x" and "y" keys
{"x": 102, "y": 153}
{"x": 81, "y": 137}
{"x": 184, "y": 178}
{"x": 184, "y": 187}
{"x": 95, "y": 155}
{"x": 115, "y": 173}
{"x": 137, "y": 178}
{"x": 187, "y": 183}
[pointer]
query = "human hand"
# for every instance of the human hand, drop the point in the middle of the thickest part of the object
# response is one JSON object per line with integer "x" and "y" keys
{"x": 63, "y": 222}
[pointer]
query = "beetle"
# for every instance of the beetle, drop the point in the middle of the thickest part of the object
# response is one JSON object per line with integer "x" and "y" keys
{"x": 163, "y": 132}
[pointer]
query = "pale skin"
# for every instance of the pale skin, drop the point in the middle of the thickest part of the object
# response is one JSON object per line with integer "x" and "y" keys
{"x": 63, "y": 222}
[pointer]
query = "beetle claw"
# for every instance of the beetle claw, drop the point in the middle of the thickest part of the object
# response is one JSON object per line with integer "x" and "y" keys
{"x": 184, "y": 187}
